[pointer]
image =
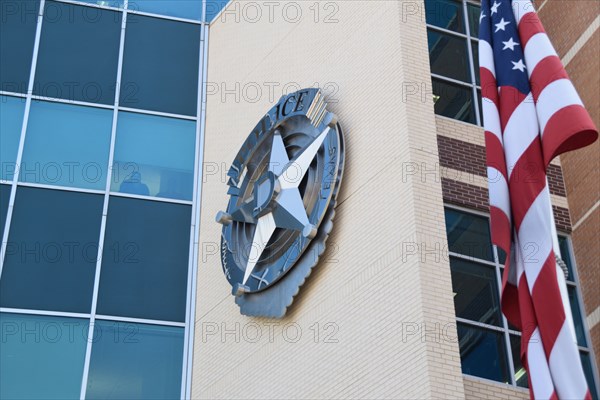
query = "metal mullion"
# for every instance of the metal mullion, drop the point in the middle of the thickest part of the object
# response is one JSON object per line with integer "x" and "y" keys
{"x": 479, "y": 324}
{"x": 472, "y": 259}
{"x": 466, "y": 85}
{"x": 13, "y": 94}
{"x": 88, "y": 351}
{"x": 139, "y": 320}
{"x": 471, "y": 63}
{"x": 151, "y": 198}
{"x": 157, "y": 113}
{"x": 188, "y": 356}
{"x": 55, "y": 187}
{"x": 72, "y": 102}
{"x": 448, "y": 31}
{"x": 13, "y": 190}
{"x": 43, "y": 312}
{"x": 80, "y": 3}
{"x": 163, "y": 16}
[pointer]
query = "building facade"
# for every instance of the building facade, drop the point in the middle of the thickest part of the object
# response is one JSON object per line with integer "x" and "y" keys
{"x": 120, "y": 120}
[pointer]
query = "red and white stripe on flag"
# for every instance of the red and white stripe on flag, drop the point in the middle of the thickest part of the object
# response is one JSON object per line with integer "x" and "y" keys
{"x": 524, "y": 131}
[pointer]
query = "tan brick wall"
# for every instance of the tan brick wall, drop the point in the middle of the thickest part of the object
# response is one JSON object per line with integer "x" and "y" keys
{"x": 476, "y": 389}
{"x": 369, "y": 289}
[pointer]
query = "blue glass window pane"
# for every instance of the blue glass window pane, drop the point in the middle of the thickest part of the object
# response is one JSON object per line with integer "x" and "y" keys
{"x": 160, "y": 66}
{"x": 482, "y": 353}
{"x": 448, "y": 55}
{"x": 473, "y": 12}
{"x": 145, "y": 260}
{"x": 577, "y": 321}
{"x": 11, "y": 121}
{"x": 4, "y": 198}
{"x": 67, "y": 145}
{"x": 475, "y": 292}
{"x": 446, "y": 14}
{"x": 565, "y": 253}
{"x": 135, "y": 361}
{"x": 586, "y": 361}
{"x": 154, "y": 156}
{"x": 190, "y": 9}
{"x": 214, "y": 7}
{"x": 17, "y": 36}
{"x": 520, "y": 372}
{"x": 79, "y": 51}
{"x": 106, "y": 3}
{"x": 52, "y": 251}
{"x": 453, "y": 101}
{"x": 468, "y": 234}
{"x": 41, "y": 357}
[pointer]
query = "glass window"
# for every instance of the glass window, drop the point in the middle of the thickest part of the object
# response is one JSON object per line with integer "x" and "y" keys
{"x": 135, "y": 361}
{"x": 520, "y": 373}
{"x": 42, "y": 357}
{"x": 565, "y": 253}
{"x": 475, "y": 290}
{"x": 4, "y": 198}
{"x": 482, "y": 353}
{"x": 145, "y": 260}
{"x": 67, "y": 145}
{"x": 79, "y": 51}
{"x": 154, "y": 156}
{"x": 577, "y": 321}
{"x": 454, "y": 101}
{"x": 475, "y": 47}
{"x": 468, "y": 234}
{"x": 106, "y": 3}
{"x": 213, "y": 8}
{"x": 160, "y": 66}
{"x": 446, "y": 14}
{"x": 17, "y": 36}
{"x": 52, "y": 251}
{"x": 11, "y": 122}
{"x": 586, "y": 361}
{"x": 191, "y": 9}
{"x": 448, "y": 56}
{"x": 473, "y": 12}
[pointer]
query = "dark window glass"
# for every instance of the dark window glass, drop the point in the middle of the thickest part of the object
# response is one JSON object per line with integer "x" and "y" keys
{"x": 17, "y": 36}
{"x": 586, "y": 361}
{"x": 154, "y": 156}
{"x": 213, "y": 7}
{"x": 42, "y": 357}
{"x": 473, "y": 12}
{"x": 11, "y": 122}
{"x": 475, "y": 47}
{"x": 4, "y": 198}
{"x": 52, "y": 251}
{"x": 501, "y": 256}
{"x": 566, "y": 255}
{"x": 468, "y": 234}
{"x": 145, "y": 260}
{"x": 67, "y": 145}
{"x": 576, "y": 311}
{"x": 520, "y": 373}
{"x": 448, "y": 55}
{"x": 79, "y": 51}
{"x": 445, "y": 14}
{"x": 135, "y": 361}
{"x": 160, "y": 68}
{"x": 453, "y": 101}
{"x": 191, "y": 9}
{"x": 483, "y": 353}
{"x": 475, "y": 290}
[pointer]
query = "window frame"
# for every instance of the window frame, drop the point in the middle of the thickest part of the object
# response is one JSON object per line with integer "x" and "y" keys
{"x": 507, "y": 331}
{"x": 473, "y": 86}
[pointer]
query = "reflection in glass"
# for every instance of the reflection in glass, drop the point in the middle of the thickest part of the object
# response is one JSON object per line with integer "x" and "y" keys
{"x": 154, "y": 156}
{"x": 475, "y": 290}
{"x": 46, "y": 362}
{"x": 4, "y": 198}
{"x": 468, "y": 234}
{"x": 453, "y": 101}
{"x": 446, "y": 14}
{"x": 190, "y": 9}
{"x": 482, "y": 353}
{"x": 448, "y": 56}
{"x": 66, "y": 145}
{"x": 520, "y": 372}
{"x": 52, "y": 250}
{"x": 79, "y": 51}
{"x": 565, "y": 254}
{"x": 473, "y": 12}
{"x": 475, "y": 48}
{"x": 577, "y": 321}
{"x": 17, "y": 35}
{"x": 11, "y": 122}
{"x": 160, "y": 65}
{"x": 135, "y": 361}
{"x": 145, "y": 260}
{"x": 586, "y": 361}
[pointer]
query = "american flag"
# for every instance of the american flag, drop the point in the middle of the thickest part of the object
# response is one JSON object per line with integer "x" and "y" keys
{"x": 531, "y": 114}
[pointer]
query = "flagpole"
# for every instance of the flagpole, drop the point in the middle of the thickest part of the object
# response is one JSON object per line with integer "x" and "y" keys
{"x": 561, "y": 274}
